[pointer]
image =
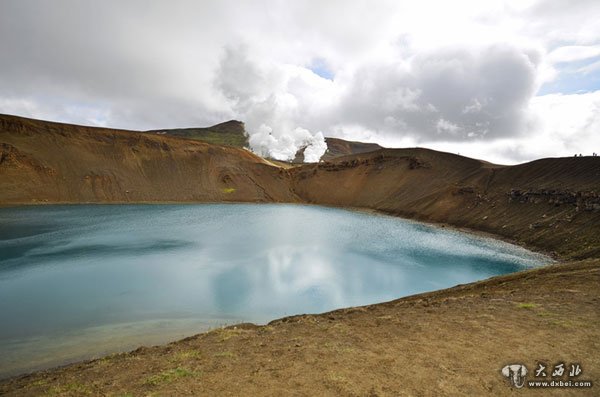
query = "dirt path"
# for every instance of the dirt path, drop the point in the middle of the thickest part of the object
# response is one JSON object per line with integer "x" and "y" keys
{"x": 449, "y": 342}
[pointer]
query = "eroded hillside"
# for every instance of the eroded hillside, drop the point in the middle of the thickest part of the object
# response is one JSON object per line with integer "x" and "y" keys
{"x": 52, "y": 162}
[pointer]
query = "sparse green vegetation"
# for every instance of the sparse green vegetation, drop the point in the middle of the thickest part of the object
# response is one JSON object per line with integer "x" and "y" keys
{"x": 39, "y": 382}
{"x": 169, "y": 376}
{"x": 69, "y": 388}
{"x": 228, "y": 190}
{"x": 228, "y": 134}
{"x": 107, "y": 360}
{"x": 527, "y": 305}
{"x": 228, "y": 333}
{"x": 339, "y": 348}
{"x": 187, "y": 355}
{"x": 226, "y": 354}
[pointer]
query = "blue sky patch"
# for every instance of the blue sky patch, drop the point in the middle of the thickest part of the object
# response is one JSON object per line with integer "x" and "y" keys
{"x": 571, "y": 80}
{"x": 319, "y": 67}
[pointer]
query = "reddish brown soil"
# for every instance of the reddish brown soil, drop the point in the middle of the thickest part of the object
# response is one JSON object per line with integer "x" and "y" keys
{"x": 43, "y": 162}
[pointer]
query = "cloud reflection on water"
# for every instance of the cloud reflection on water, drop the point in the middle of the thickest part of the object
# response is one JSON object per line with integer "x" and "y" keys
{"x": 100, "y": 267}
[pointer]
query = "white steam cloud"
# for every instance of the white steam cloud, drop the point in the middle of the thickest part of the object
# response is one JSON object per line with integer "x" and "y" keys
{"x": 284, "y": 145}
{"x": 272, "y": 100}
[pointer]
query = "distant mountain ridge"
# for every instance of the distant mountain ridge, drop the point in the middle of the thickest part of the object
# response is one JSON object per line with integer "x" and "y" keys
{"x": 233, "y": 133}
{"x": 337, "y": 147}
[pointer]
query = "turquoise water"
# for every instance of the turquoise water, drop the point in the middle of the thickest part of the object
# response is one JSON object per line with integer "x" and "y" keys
{"x": 81, "y": 281}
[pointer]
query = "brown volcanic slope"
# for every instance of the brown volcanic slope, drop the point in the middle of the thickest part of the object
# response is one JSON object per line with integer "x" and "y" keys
{"x": 549, "y": 204}
{"x": 51, "y": 162}
{"x": 450, "y": 342}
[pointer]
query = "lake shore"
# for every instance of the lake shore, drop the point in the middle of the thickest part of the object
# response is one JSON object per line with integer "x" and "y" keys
{"x": 453, "y": 341}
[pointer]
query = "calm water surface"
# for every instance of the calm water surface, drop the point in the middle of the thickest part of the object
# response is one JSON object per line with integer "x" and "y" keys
{"x": 81, "y": 281}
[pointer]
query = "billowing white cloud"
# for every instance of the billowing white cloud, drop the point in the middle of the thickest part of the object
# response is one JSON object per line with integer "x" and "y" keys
{"x": 451, "y": 94}
{"x": 460, "y": 76}
{"x": 560, "y": 126}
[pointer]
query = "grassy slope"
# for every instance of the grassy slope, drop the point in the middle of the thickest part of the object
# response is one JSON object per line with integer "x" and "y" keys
{"x": 229, "y": 133}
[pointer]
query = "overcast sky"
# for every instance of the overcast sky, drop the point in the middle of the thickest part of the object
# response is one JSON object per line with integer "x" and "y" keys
{"x": 505, "y": 81}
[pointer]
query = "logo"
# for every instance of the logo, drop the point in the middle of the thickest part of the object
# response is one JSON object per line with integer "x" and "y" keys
{"x": 516, "y": 374}
{"x": 559, "y": 375}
